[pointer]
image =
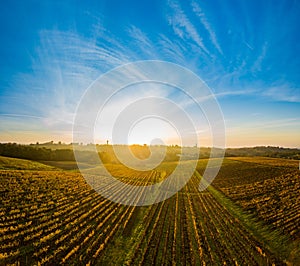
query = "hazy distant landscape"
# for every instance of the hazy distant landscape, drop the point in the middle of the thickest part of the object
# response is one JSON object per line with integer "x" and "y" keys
{"x": 51, "y": 151}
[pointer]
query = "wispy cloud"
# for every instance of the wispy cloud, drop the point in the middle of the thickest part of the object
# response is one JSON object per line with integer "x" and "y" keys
{"x": 142, "y": 43}
{"x": 282, "y": 92}
{"x": 65, "y": 64}
{"x": 216, "y": 96}
{"x": 248, "y": 45}
{"x": 183, "y": 27}
{"x": 264, "y": 125}
{"x": 212, "y": 35}
{"x": 280, "y": 123}
{"x": 172, "y": 49}
{"x": 257, "y": 65}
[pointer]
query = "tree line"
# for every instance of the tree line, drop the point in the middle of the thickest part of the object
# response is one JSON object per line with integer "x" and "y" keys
{"x": 107, "y": 155}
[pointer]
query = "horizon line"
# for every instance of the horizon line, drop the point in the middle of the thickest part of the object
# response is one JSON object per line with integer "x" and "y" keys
{"x": 146, "y": 145}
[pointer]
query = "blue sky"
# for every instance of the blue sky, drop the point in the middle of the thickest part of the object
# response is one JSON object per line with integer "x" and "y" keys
{"x": 247, "y": 52}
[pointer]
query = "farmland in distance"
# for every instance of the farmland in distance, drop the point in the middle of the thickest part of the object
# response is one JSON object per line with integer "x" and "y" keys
{"x": 248, "y": 216}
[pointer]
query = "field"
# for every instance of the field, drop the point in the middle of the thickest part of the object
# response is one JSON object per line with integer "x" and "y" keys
{"x": 248, "y": 216}
{"x": 272, "y": 192}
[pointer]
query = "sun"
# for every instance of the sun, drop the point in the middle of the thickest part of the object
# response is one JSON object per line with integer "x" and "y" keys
{"x": 153, "y": 131}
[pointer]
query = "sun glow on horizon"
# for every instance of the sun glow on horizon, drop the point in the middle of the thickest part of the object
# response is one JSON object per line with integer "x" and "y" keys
{"x": 153, "y": 131}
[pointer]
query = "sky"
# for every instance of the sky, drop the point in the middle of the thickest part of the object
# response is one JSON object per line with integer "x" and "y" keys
{"x": 246, "y": 52}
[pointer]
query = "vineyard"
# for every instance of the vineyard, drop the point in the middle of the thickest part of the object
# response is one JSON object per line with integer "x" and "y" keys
{"x": 50, "y": 217}
{"x": 267, "y": 187}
